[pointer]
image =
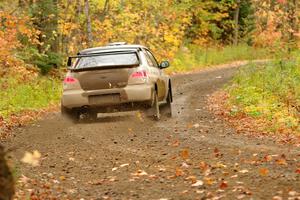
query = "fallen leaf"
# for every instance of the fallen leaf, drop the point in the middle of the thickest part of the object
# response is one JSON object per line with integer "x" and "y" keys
{"x": 185, "y": 154}
{"x": 200, "y": 191}
{"x": 223, "y": 185}
{"x": 203, "y": 166}
{"x": 241, "y": 196}
{"x": 244, "y": 171}
{"x": 112, "y": 179}
{"x": 209, "y": 181}
{"x": 281, "y": 161}
{"x": 153, "y": 176}
{"x": 268, "y": 158}
{"x": 185, "y": 165}
{"x": 179, "y": 172}
{"x": 32, "y": 158}
{"x": 293, "y": 193}
{"x": 263, "y": 171}
{"x": 24, "y": 179}
{"x": 192, "y": 178}
{"x": 176, "y": 143}
{"x": 184, "y": 192}
{"x": 140, "y": 173}
{"x": 114, "y": 169}
{"x": 217, "y": 152}
{"x": 124, "y": 165}
{"x": 97, "y": 182}
{"x": 56, "y": 181}
{"x": 139, "y": 116}
{"x": 162, "y": 169}
{"x": 196, "y": 125}
{"x": 298, "y": 171}
{"x": 220, "y": 165}
{"x": 198, "y": 183}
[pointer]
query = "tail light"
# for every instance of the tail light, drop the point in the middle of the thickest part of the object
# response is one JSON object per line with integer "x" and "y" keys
{"x": 139, "y": 74}
{"x": 70, "y": 80}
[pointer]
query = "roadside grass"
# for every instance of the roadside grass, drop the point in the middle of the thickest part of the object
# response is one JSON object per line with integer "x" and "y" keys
{"x": 270, "y": 92}
{"x": 17, "y": 95}
{"x": 193, "y": 57}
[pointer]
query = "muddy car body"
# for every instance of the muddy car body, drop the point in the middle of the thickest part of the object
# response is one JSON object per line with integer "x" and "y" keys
{"x": 114, "y": 78}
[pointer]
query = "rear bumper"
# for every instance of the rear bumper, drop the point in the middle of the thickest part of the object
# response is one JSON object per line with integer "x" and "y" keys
{"x": 107, "y": 97}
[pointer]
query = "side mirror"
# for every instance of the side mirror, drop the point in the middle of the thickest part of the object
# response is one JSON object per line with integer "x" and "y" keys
{"x": 164, "y": 64}
{"x": 69, "y": 63}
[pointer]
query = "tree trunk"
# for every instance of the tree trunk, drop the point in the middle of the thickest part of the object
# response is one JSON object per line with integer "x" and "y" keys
{"x": 65, "y": 39}
{"x": 21, "y": 3}
{"x": 6, "y": 178}
{"x": 236, "y": 21}
{"x": 78, "y": 32}
{"x": 55, "y": 43}
{"x": 295, "y": 20}
{"x": 45, "y": 19}
{"x": 106, "y": 7}
{"x": 122, "y": 4}
{"x": 88, "y": 24}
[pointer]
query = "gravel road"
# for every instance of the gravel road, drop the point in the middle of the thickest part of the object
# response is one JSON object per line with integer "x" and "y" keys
{"x": 190, "y": 156}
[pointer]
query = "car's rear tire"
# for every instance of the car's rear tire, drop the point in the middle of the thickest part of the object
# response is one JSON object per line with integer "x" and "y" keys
{"x": 155, "y": 107}
{"x": 91, "y": 115}
{"x": 151, "y": 108}
{"x": 167, "y": 108}
{"x": 69, "y": 114}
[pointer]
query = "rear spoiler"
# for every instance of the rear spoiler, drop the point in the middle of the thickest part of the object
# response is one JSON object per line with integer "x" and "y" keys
{"x": 69, "y": 63}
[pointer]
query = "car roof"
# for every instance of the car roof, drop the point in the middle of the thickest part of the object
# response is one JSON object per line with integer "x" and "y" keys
{"x": 111, "y": 48}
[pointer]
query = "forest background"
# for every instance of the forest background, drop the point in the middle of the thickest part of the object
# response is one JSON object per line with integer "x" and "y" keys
{"x": 36, "y": 36}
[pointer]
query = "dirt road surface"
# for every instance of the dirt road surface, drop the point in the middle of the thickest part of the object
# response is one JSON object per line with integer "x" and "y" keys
{"x": 191, "y": 156}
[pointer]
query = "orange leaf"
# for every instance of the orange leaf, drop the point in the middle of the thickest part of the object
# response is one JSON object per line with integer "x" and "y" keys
{"x": 203, "y": 166}
{"x": 268, "y": 158}
{"x": 176, "y": 143}
{"x": 185, "y": 154}
{"x": 263, "y": 172}
{"x": 281, "y": 161}
{"x": 209, "y": 181}
{"x": 298, "y": 171}
{"x": 223, "y": 185}
{"x": 217, "y": 152}
{"x": 179, "y": 172}
{"x": 193, "y": 179}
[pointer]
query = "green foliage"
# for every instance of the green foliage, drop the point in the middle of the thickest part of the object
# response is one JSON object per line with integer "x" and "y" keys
{"x": 271, "y": 91}
{"x": 47, "y": 62}
{"x": 20, "y": 96}
{"x": 194, "y": 57}
{"x": 45, "y": 19}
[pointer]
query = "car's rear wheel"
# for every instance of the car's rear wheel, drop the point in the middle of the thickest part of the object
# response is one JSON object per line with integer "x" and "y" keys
{"x": 155, "y": 106}
{"x": 167, "y": 108}
{"x": 70, "y": 114}
{"x": 90, "y": 115}
{"x": 152, "y": 109}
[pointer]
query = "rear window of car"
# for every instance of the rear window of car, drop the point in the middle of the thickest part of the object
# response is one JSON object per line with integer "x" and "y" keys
{"x": 107, "y": 59}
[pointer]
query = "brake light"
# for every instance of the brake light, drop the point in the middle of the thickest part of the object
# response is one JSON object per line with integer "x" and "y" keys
{"x": 70, "y": 80}
{"x": 139, "y": 74}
